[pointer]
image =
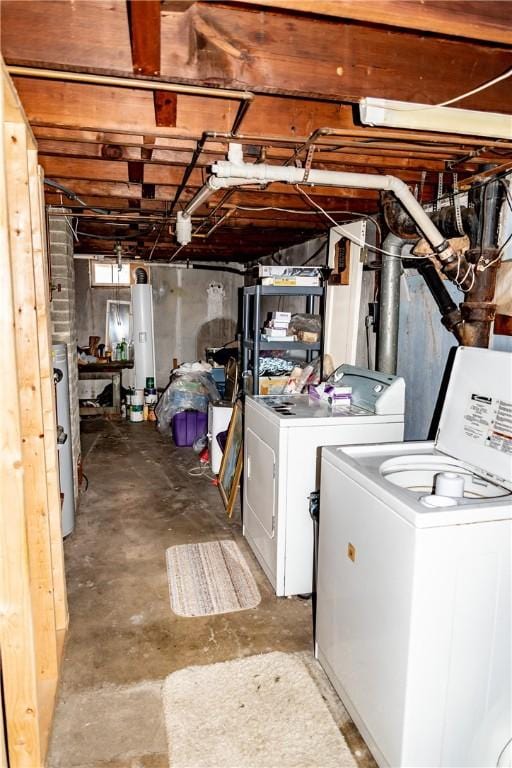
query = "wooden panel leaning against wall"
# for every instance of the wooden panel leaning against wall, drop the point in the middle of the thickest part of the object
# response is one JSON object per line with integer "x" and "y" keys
{"x": 33, "y": 610}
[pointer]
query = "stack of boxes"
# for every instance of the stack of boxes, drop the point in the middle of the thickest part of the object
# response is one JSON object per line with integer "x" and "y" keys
{"x": 277, "y": 328}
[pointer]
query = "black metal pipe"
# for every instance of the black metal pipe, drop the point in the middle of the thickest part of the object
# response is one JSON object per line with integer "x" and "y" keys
{"x": 190, "y": 167}
{"x": 217, "y": 268}
{"x": 400, "y": 223}
{"x": 242, "y": 109}
{"x": 450, "y": 314}
{"x": 206, "y": 136}
{"x": 489, "y": 210}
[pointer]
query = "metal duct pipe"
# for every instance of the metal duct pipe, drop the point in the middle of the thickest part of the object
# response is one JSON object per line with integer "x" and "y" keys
{"x": 387, "y": 353}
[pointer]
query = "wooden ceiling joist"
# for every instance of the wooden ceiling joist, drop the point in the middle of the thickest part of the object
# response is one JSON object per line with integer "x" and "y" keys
{"x": 480, "y": 21}
{"x": 234, "y": 46}
{"x": 126, "y": 149}
{"x": 144, "y": 22}
{"x": 170, "y": 175}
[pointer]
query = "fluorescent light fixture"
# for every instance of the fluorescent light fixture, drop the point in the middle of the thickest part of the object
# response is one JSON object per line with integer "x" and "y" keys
{"x": 426, "y": 117}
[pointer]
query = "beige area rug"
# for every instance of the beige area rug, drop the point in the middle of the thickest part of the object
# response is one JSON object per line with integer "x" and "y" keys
{"x": 259, "y": 712}
{"x": 209, "y": 578}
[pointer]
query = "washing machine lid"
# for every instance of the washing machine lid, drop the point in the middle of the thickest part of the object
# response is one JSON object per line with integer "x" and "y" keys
{"x": 476, "y": 420}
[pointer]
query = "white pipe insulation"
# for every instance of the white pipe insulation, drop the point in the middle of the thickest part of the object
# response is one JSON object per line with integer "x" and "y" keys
{"x": 227, "y": 173}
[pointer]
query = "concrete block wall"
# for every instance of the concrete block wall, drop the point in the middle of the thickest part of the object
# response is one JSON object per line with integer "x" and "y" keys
{"x": 63, "y": 315}
{"x": 192, "y": 309}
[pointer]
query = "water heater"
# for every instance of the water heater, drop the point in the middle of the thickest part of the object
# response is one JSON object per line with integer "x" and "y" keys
{"x": 143, "y": 337}
{"x": 61, "y": 377}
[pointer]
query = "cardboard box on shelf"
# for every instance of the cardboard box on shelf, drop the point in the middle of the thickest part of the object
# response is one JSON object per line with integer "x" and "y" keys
{"x": 273, "y": 385}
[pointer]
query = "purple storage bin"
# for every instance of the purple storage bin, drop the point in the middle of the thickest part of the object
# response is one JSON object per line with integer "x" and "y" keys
{"x": 188, "y": 425}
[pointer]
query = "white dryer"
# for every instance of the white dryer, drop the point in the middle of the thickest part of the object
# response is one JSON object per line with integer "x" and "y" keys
{"x": 283, "y": 435}
{"x": 414, "y": 585}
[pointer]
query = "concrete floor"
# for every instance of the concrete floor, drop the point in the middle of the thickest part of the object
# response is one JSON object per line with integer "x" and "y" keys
{"x": 123, "y": 638}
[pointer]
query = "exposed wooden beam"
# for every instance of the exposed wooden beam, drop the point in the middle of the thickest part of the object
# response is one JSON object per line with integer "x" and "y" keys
{"x": 122, "y": 110}
{"x": 390, "y": 160}
{"x": 252, "y": 48}
{"x": 478, "y": 20}
{"x": 166, "y": 108}
{"x": 85, "y": 33}
{"x": 136, "y": 172}
{"x": 129, "y": 190}
{"x": 144, "y": 21}
{"x": 342, "y": 61}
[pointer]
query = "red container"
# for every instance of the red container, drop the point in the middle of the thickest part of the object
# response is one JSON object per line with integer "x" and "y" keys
{"x": 188, "y": 425}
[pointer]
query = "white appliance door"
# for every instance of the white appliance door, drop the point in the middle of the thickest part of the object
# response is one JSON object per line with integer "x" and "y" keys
{"x": 365, "y": 569}
{"x": 260, "y": 483}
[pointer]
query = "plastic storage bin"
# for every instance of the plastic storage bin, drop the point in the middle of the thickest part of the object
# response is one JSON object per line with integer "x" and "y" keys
{"x": 187, "y": 425}
{"x": 219, "y": 377}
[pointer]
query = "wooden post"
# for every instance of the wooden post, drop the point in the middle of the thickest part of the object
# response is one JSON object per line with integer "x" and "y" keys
{"x": 33, "y": 609}
{"x": 31, "y": 409}
{"x": 17, "y": 641}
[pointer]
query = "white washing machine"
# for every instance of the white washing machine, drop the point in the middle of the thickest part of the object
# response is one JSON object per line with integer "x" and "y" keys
{"x": 414, "y": 589}
{"x": 283, "y": 435}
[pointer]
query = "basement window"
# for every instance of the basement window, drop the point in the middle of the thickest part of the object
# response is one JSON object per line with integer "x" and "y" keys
{"x": 105, "y": 275}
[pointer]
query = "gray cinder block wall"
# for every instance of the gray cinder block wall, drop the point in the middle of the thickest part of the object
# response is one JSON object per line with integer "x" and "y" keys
{"x": 60, "y": 247}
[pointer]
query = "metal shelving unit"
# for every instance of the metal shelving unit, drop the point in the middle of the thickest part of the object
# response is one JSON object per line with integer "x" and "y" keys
{"x": 252, "y": 344}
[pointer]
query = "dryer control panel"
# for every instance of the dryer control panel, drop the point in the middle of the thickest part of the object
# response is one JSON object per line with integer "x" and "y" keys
{"x": 377, "y": 392}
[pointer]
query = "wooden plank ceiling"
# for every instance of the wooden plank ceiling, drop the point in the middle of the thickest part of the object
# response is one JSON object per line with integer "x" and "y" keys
{"x": 126, "y": 151}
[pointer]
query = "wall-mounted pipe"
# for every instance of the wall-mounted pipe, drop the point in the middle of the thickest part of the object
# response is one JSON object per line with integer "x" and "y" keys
{"x": 387, "y": 352}
{"x": 128, "y": 82}
{"x": 208, "y": 136}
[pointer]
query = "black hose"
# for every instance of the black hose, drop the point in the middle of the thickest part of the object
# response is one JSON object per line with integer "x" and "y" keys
{"x": 436, "y": 286}
{"x": 141, "y": 276}
{"x": 213, "y": 268}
